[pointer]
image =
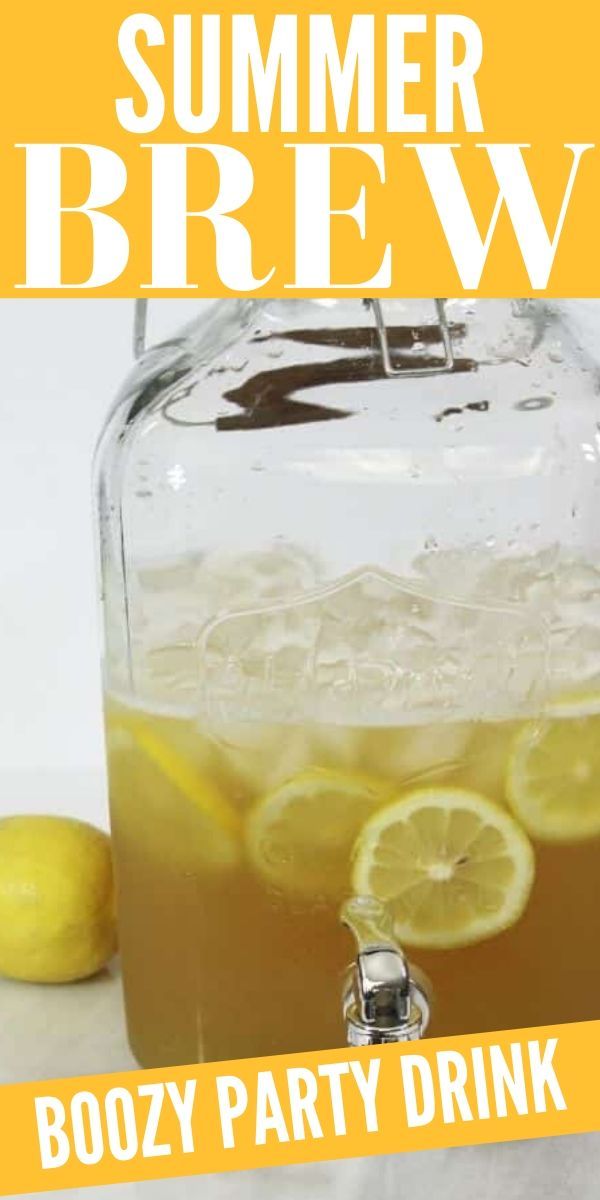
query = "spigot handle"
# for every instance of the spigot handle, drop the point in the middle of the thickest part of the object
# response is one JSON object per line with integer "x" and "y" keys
{"x": 385, "y": 999}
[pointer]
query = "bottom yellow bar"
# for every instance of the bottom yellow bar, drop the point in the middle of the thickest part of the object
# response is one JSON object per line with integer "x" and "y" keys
{"x": 216, "y": 1117}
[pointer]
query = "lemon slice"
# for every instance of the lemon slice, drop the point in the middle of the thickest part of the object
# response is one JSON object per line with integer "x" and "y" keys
{"x": 553, "y": 783}
{"x": 208, "y": 827}
{"x": 300, "y": 836}
{"x": 453, "y": 867}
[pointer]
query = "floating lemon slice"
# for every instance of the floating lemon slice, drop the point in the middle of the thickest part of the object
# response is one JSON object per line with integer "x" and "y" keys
{"x": 553, "y": 782}
{"x": 300, "y": 836}
{"x": 214, "y": 835}
{"x": 452, "y": 867}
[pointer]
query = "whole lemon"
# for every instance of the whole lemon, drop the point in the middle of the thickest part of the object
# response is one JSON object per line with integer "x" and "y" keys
{"x": 57, "y": 910}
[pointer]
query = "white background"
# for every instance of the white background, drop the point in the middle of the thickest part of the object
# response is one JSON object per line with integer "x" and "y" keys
{"x": 63, "y": 363}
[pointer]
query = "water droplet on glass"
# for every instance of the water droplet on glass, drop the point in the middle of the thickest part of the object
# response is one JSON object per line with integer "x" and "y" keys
{"x": 534, "y": 403}
{"x": 177, "y": 477}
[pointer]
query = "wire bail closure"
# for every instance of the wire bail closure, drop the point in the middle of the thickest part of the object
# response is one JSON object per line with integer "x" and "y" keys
{"x": 392, "y": 372}
{"x": 140, "y": 329}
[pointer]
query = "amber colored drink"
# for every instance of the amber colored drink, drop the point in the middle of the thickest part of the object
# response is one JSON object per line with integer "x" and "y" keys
{"x": 225, "y": 955}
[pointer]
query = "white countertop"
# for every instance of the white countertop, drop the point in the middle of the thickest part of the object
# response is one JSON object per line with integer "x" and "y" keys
{"x": 49, "y": 1031}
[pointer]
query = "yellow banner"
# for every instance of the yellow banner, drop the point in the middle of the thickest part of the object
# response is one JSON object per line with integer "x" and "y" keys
{"x": 219, "y": 1117}
{"x": 274, "y": 148}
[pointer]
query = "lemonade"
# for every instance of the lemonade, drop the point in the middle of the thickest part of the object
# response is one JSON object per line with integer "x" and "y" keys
{"x": 237, "y": 844}
{"x": 350, "y": 570}
{"x": 279, "y": 744}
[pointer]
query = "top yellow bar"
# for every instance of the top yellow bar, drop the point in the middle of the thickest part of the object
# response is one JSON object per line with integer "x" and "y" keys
{"x": 266, "y": 149}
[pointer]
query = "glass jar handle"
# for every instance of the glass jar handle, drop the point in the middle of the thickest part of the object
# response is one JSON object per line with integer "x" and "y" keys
{"x": 140, "y": 328}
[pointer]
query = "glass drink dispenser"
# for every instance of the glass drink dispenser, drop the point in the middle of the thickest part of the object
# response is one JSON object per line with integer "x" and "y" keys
{"x": 351, "y": 579}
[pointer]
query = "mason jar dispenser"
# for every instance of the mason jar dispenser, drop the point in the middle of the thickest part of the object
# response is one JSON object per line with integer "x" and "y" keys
{"x": 350, "y": 557}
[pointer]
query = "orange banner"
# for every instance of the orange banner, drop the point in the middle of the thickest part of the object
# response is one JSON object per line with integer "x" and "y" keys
{"x": 270, "y": 148}
{"x": 219, "y": 1117}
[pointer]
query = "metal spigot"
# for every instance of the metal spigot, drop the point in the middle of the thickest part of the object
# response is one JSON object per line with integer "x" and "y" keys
{"x": 385, "y": 998}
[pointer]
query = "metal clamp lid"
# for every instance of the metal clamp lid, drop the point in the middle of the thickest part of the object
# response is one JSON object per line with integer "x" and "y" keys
{"x": 392, "y": 372}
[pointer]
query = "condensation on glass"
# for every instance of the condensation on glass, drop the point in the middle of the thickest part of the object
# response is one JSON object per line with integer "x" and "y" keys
{"x": 351, "y": 585}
